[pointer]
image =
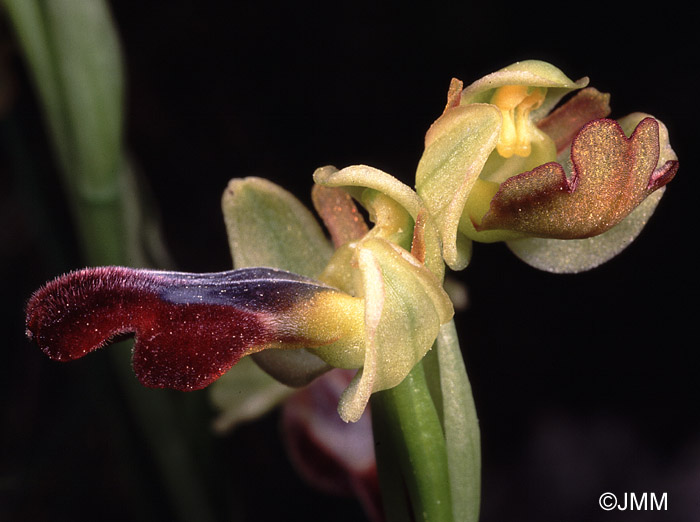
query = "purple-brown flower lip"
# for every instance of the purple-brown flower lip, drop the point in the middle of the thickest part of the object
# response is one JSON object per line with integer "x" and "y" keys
{"x": 189, "y": 328}
{"x": 611, "y": 175}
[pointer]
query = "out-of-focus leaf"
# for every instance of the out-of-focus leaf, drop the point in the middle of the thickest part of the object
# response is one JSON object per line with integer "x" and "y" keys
{"x": 245, "y": 393}
{"x": 74, "y": 59}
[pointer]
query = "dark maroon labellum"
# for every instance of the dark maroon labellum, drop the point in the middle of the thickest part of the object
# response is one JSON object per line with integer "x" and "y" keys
{"x": 189, "y": 328}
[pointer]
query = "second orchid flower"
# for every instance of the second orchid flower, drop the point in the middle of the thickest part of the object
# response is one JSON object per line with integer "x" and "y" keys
{"x": 567, "y": 189}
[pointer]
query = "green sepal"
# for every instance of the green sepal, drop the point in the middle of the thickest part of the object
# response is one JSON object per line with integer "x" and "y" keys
{"x": 268, "y": 226}
{"x": 532, "y": 73}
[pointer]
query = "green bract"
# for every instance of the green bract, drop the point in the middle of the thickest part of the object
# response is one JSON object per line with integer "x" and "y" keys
{"x": 501, "y": 165}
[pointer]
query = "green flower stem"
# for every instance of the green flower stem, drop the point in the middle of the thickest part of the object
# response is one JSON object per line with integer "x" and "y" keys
{"x": 409, "y": 438}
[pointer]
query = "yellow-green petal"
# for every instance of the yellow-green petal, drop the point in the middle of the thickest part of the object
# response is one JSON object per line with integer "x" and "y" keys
{"x": 357, "y": 177}
{"x": 404, "y": 308}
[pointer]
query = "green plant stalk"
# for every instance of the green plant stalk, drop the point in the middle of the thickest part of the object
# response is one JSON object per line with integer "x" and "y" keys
{"x": 73, "y": 54}
{"x": 74, "y": 58}
{"x": 410, "y": 439}
{"x": 446, "y": 420}
{"x": 395, "y": 500}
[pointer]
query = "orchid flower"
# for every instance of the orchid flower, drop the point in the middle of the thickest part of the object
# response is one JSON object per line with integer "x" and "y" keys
{"x": 192, "y": 328}
{"x": 566, "y": 189}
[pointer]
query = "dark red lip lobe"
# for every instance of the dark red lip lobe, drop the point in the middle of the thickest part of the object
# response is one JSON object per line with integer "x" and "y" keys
{"x": 189, "y": 328}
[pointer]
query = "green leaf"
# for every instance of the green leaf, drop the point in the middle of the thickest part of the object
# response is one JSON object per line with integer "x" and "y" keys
{"x": 245, "y": 393}
{"x": 459, "y": 422}
{"x": 74, "y": 59}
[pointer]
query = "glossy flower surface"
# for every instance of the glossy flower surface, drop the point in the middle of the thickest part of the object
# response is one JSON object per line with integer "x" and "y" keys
{"x": 501, "y": 165}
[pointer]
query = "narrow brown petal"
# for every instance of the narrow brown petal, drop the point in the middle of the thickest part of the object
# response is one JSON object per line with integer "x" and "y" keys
{"x": 454, "y": 94}
{"x": 563, "y": 124}
{"x": 339, "y": 214}
{"x": 418, "y": 242}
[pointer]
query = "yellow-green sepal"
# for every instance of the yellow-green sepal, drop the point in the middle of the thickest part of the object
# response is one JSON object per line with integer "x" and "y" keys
{"x": 457, "y": 147}
{"x": 531, "y": 73}
{"x": 268, "y": 226}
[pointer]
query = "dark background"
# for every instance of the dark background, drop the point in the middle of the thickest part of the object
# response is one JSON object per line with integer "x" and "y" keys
{"x": 584, "y": 384}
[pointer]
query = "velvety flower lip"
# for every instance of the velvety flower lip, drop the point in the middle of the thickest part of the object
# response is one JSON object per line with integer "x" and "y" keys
{"x": 611, "y": 175}
{"x": 189, "y": 328}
